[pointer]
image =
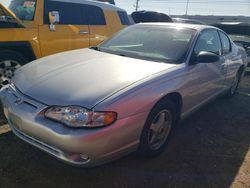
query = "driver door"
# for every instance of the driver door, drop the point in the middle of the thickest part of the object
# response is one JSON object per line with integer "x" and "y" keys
{"x": 72, "y": 31}
{"x": 208, "y": 78}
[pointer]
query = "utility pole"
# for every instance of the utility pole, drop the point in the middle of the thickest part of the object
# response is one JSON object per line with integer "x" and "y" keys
{"x": 187, "y": 7}
{"x": 136, "y": 5}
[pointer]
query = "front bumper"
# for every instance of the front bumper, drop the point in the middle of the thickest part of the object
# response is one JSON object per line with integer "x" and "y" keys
{"x": 78, "y": 147}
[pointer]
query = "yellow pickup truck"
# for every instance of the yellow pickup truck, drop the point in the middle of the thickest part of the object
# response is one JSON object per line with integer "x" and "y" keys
{"x": 30, "y": 29}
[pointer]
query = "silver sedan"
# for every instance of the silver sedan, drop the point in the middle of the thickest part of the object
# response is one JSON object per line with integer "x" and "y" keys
{"x": 90, "y": 106}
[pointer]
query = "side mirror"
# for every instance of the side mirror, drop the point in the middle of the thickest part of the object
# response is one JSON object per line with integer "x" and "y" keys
{"x": 207, "y": 57}
{"x": 54, "y": 18}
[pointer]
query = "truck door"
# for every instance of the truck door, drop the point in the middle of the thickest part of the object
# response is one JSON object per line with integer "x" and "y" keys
{"x": 72, "y": 31}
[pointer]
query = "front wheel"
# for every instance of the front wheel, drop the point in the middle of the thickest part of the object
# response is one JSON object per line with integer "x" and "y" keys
{"x": 157, "y": 129}
{"x": 10, "y": 61}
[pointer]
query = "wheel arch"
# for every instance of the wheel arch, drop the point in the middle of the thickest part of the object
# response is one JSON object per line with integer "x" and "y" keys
{"x": 23, "y": 48}
{"x": 176, "y": 98}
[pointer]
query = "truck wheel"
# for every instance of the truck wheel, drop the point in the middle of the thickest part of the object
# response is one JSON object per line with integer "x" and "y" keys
{"x": 9, "y": 62}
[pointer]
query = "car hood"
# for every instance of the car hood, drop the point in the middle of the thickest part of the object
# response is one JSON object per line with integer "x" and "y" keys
{"x": 81, "y": 77}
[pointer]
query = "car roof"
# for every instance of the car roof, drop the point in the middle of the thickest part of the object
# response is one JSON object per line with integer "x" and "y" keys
{"x": 103, "y": 5}
{"x": 183, "y": 25}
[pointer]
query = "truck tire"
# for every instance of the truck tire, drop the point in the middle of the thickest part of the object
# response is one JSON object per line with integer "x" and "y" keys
{"x": 9, "y": 62}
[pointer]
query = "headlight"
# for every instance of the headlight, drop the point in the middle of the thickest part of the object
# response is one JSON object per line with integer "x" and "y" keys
{"x": 75, "y": 116}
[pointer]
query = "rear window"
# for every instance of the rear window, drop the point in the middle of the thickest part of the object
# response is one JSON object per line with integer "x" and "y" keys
{"x": 124, "y": 18}
{"x": 75, "y": 14}
{"x": 226, "y": 44}
{"x": 95, "y": 15}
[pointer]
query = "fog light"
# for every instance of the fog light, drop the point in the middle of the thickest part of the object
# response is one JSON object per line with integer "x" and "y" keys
{"x": 77, "y": 158}
{"x": 84, "y": 157}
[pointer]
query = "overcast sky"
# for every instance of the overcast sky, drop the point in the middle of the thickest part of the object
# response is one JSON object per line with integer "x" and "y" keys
{"x": 178, "y": 7}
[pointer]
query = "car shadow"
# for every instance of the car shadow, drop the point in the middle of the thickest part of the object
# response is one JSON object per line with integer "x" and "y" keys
{"x": 206, "y": 150}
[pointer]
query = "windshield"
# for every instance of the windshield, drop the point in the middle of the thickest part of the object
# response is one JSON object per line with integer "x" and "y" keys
{"x": 23, "y": 9}
{"x": 156, "y": 43}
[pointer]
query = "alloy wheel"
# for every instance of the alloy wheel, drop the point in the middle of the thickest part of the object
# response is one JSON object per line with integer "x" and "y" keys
{"x": 160, "y": 129}
{"x": 7, "y": 69}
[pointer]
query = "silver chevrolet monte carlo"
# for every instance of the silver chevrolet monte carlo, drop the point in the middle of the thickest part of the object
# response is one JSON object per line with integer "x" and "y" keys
{"x": 90, "y": 106}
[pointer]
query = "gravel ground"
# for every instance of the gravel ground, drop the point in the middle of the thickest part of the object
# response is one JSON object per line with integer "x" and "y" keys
{"x": 209, "y": 149}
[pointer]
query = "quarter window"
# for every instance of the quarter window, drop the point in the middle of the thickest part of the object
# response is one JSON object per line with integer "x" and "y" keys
{"x": 95, "y": 15}
{"x": 226, "y": 46}
{"x": 124, "y": 18}
{"x": 208, "y": 41}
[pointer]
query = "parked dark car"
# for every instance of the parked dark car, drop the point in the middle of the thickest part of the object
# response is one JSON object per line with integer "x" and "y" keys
{"x": 150, "y": 16}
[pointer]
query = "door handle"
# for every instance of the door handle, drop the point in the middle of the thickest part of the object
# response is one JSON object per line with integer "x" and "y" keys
{"x": 83, "y": 32}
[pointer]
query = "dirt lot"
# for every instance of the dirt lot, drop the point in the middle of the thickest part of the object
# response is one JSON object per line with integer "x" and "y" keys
{"x": 209, "y": 149}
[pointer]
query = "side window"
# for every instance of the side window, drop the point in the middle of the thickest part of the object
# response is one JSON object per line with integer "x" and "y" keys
{"x": 124, "y": 18}
{"x": 209, "y": 41}
{"x": 226, "y": 45}
{"x": 95, "y": 15}
{"x": 70, "y": 13}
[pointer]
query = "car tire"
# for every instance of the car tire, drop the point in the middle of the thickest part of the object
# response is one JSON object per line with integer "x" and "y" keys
{"x": 234, "y": 87}
{"x": 9, "y": 62}
{"x": 159, "y": 125}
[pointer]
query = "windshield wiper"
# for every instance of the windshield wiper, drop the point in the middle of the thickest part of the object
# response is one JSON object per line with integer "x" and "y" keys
{"x": 99, "y": 49}
{"x": 95, "y": 48}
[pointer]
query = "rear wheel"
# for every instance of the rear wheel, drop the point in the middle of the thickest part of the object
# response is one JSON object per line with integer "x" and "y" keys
{"x": 157, "y": 129}
{"x": 234, "y": 85}
{"x": 10, "y": 61}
